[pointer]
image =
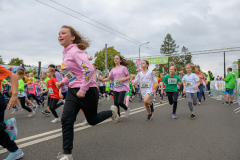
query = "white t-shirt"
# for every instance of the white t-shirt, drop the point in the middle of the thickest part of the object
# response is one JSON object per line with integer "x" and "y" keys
{"x": 190, "y": 82}
{"x": 146, "y": 80}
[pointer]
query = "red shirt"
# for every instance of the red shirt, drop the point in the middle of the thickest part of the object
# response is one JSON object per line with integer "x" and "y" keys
{"x": 160, "y": 80}
{"x": 52, "y": 88}
{"x": 201, "y": 77}
{"x": 4, "y": 73}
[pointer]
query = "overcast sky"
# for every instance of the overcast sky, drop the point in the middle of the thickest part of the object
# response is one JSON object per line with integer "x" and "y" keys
{"x": 29, "y": 29}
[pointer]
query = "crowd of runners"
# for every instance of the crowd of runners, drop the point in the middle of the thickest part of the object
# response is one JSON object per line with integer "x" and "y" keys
{"x": 81, "y": 86}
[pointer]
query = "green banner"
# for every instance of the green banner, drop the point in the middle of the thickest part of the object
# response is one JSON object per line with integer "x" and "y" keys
{"x": 159, "y": 60}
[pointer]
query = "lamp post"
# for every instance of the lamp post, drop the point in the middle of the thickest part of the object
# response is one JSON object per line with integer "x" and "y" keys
{"x": 140, "y": 46}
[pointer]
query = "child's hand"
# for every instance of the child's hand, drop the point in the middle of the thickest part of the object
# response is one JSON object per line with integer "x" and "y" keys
{"x": 195, "y": 87}
{"x": 61, "y": 96}
{"x": 184, "y": 91}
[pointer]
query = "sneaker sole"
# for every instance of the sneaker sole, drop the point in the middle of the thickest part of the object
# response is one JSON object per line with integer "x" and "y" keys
{"x": 15, "y": 126}
{"x": 20, "y": 156}
{"x": 114, "y": 108}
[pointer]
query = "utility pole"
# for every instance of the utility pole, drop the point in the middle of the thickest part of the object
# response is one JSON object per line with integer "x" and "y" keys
{"x": 39, "y": 68}
{"x": 224, "y": 64}
{"x": 106, "y": 59}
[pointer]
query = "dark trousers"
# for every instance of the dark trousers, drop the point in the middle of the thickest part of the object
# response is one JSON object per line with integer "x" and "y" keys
{"x": 35, "y": 98}
{"x": 89, "y": 105}
{"x": 22, "y": 101}
{"x": 53, "y": 106}
{"x": 5, "y": 141}
{"x": 172, "y": 98}
{"x": 119, "y": 99}
{"x": 199, "y": 94}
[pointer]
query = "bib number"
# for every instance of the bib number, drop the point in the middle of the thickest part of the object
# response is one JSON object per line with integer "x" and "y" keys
{"x": 172, "y": 80}
{"x": 117, "y": 84}
{"x": 50, "y": 91}
{"x": 144, "y": 84}
{"x": 19, "y": 93}
{"x": 69, "y": 75}
{"x": 30, "y": 88}
{"x": 189, "y": 83}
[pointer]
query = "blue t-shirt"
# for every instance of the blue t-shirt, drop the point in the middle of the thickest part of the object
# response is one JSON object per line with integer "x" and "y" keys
{"x": 190, "y": 82}
{"x": 38, "y": 89}
{"x": 111, "y": 86}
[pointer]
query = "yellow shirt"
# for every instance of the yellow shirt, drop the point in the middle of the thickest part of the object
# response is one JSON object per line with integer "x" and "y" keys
{"x": 154, "y": 83}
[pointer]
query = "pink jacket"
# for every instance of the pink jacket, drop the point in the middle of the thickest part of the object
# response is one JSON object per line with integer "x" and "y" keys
{"x": 32, "y": 89}
{"x": 77, "y": 62}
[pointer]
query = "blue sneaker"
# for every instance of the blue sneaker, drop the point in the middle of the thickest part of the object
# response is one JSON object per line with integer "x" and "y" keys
{"x": 174, "y": 116}
{"x": 11, "y": 128}
{"x": 15, "y": 155}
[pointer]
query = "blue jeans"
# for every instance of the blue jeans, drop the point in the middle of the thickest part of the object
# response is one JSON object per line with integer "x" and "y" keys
{"x": 199, "y": 94}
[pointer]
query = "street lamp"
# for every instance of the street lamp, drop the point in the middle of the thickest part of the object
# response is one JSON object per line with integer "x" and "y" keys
{"x": 140, "y": 46}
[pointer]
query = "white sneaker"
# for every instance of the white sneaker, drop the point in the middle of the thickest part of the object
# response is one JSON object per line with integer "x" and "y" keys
{"x": 64, "y": 157}
{"x": 100, "y": 102}
{"x": 31, "y": 114}
{"x": 115, "y": 116}
{"x": 127, "y": 112}
{"x": 14, "y": 111}
{"x": 108, "y": 97}
{"x": 84, "y": 123}
{"x": 154, "y": 100}
{"x": 56, "y": 120}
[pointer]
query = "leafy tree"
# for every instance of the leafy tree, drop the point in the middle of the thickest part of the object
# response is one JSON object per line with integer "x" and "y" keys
{"x": 15, "y": 61}
{"x": 100, "y": 58}
{"x": 1, "y": 60}
{"x": 132, "y": 69}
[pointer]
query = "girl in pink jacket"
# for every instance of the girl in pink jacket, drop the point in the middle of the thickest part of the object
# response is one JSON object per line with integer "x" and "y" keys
{"x": 82, "y": 92}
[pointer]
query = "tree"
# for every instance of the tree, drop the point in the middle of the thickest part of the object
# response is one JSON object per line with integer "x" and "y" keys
{"x": 132, "y": 69}
{"x": 1, "y": 60}
{"x": 100, "y": 58}
{"x": 16, "y": 61}
{"x": 168, "y": 47}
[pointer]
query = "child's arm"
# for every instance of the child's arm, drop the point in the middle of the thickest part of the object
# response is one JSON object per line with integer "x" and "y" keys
{"x": 43, "y": 92}
{"x": 14, "y": 81}
{"x": 60, "y": 93}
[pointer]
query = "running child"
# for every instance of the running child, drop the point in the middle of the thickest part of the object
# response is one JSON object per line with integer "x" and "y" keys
{"x": 32, "y": 93}
{"x": 82, "y": 92}
{"x": 171, "y": 88}
{"x": 160, "y": 82}
{"x": 145, "y": 78}
{"x": 190, "y": 85}
{"x": 128, "y": 94}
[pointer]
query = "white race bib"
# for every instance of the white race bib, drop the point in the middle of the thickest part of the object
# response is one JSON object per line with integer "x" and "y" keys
{"x": 144, "y": 84}
{"x": 19, "y": 93}
{"x": 189, "y": 83}
{"x": 161, "y": 83}
{"x": 117, "y": 84}
{"x": 69, "y": 75}
{"x": 172, "y": 80}
{"x": 50, "y": 91}
{"x": 30, "y": 88}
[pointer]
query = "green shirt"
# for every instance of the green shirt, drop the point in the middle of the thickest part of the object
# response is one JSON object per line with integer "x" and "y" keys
{"x": 171, "y": 83}
{"x": 107, "y": 86}
{"x": 46, "y": 80}
{"x": 34, "y": 79}
{"x": 21, "y": 85}
{"x": 230, "y": 80}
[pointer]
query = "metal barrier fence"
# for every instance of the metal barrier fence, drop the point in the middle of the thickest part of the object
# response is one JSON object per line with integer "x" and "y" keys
{"x": 218, "y": 89}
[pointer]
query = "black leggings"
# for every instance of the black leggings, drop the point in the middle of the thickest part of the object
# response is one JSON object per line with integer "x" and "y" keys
{"x": 22, "y": 101}
{"x": 53, "y": 106}
{"x": 172, "y": 98}
{"x": 35, "y": 98}
{"x": 89, "y": 105}
{"x": 119, "y": 99}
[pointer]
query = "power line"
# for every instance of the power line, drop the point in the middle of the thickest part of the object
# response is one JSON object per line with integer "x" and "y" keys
{"x": 137, "y": 43}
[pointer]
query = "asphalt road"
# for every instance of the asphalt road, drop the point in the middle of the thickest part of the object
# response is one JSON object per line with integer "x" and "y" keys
{"x": 214, "y": 134}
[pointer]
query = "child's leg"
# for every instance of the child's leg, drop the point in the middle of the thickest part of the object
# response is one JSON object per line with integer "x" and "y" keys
{"x": 53, "y": 107}
{"x": 22, "y": 100}
{"x": 127, "y": 100}
{"x": 29, "y": 102}
{"x": 147, "y": 103}
{"x": 189, "y": 99}
{"x": 82, "y": 113}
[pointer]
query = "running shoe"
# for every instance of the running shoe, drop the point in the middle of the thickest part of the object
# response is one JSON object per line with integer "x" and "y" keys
{"x": 84, "y": 123}
{"x": 226, "y": 103}
{"x": 204, "y": 98}
{"x": 11, "y": 129}
{"x": 15, "y": 155}
{"x": 192, "y": 116}
{"x": 130, "y": 100}
{"x": 154, "y": 100}
{"x": 152, "y": 107}
{"x": 63, "y": 157}
{"x": 34, "y": 108}
{"x": 149, "y": 117}
{"x": 120, "y": 119}
{"x": 46, "y": 112}
{"x": 14, "y": 111}
{"x": 231, "y": 103}
{"x": 115, "y": 116}
{"x": 108, "y": 98}
{"x": 31, "y": 114}
{"x": 56, "y": 120}
{"x": 43, "y": 103}
{"x": 127, "y": 112}
{"x": 174, "y": 116}
{"x": 161, "y": 101}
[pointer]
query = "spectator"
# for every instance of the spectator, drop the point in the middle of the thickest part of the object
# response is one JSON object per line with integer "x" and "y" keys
{"x": 230, "y": 82}
{"x": 209, "y": 79}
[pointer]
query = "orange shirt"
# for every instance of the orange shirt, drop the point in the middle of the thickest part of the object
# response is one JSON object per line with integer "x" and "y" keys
{"x": 201, "y": 77}
{"x": 4, "y": 73}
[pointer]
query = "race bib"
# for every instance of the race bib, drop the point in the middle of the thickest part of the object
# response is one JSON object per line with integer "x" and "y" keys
{"x": 161, "y": 83}
{"x": 172, "y": 80}
{"x": 19, "y": 93}
{"x": 69, "y": 75}
{"x": 50, "y": 91}
{"x": 144, "y": 84}
{"x": 117, "y": 84}
{"x": 189, "y": 83}
{"x": 30, "y": 88}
